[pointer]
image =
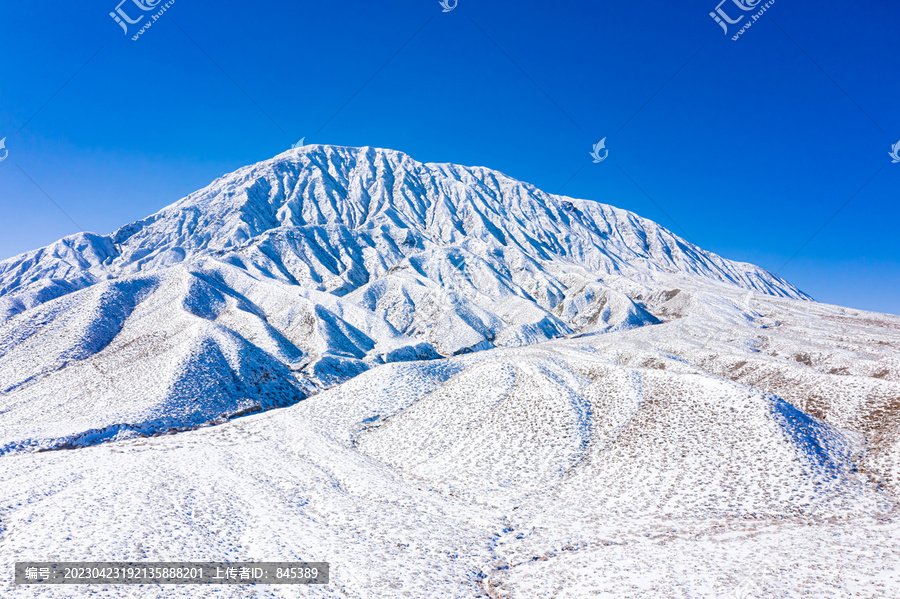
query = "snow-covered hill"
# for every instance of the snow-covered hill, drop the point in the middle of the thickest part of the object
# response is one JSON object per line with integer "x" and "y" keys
{"x": 617, "y": 465}
{"x": 312, "y": 267}
{"x": 471, "y": 388}
{"x": 339, "y": 219}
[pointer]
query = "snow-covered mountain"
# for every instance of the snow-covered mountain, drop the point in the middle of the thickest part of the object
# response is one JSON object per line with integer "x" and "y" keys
{"x": 339, "y": 220}
{"x": 488, "y": 391}
{"x": 305, "y": 270}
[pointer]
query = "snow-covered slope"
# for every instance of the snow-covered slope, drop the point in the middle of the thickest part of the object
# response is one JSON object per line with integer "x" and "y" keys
{"x": 312, "y": 267}
{"x": 321, "y": 261}
{"x": 613, "y": 465}
{"x": 471, "y": 389}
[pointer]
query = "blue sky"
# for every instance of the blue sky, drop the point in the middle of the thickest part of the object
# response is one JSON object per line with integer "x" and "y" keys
{"x": 771, "y": 149}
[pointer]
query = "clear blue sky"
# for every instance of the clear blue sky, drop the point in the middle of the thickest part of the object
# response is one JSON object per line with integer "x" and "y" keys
{"x": 747, "y": 151}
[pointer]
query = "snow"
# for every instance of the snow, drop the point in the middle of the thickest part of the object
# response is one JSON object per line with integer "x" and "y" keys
{"x": 313, "y": 267}
{"x": 446, "y": 383}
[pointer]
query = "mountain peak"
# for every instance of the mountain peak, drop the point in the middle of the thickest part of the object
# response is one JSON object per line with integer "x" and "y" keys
{"x": 338, "y": 218}
{"x": 303, "y": 271}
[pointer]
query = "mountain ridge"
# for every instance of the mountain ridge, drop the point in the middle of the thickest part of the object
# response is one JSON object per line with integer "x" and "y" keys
{"x": 314, "y": 267}
{"x": 443, "y": 382}
{"x": 335, "y": 178}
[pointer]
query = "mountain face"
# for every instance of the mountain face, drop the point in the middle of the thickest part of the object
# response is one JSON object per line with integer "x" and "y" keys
{"x": 337, "y": 220}
{"x": 488, "y": 392}
{"x": 305, "y": 270}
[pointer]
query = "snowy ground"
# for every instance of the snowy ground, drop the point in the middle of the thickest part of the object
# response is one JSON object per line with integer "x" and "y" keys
{"x": 601, "y": 466}
{"x": 445, "y": 383}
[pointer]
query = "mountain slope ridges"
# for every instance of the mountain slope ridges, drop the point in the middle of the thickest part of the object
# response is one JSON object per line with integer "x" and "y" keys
{"x": 335, "y": 218}
{"x": 315, "y": 266}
